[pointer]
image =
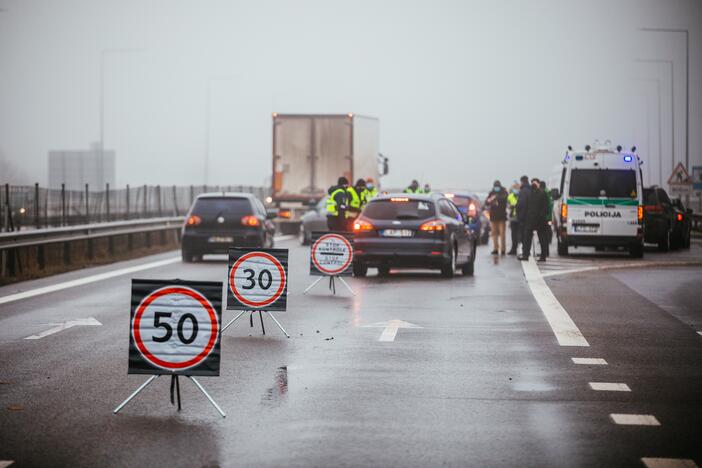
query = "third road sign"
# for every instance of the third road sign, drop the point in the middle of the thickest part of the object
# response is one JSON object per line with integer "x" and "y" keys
{"x": 331, "y": 254}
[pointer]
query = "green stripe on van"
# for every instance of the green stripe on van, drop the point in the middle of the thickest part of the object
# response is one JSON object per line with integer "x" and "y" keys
{"x": 603, "y": 201}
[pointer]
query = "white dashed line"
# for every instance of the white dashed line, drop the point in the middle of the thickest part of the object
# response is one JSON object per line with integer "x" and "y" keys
{"x": 589, "y": 361}
{"x": 669, "y": 463}
{"x": 86, "y": 280}
{"x": 635, "y": 419}
{"x": 609, "y": 387}
{"x": 567, "y": 333}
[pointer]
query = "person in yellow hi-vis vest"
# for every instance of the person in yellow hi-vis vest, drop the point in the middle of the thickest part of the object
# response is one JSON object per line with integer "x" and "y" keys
{"x": 371, "y": 189}
{"x": 337, "y": 205}
{"x": 355, "y": 202}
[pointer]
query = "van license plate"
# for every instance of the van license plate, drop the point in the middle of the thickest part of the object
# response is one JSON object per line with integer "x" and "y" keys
{"x": 397, "y": 233}
{"x": 586, "y": 228}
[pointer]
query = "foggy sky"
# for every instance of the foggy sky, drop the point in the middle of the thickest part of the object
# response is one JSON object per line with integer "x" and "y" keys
{"x": 466, "y": 91}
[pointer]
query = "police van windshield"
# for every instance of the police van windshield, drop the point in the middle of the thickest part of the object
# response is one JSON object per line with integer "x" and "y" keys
{"x": 610, "y": 183}
{"x": 388, "y": 209}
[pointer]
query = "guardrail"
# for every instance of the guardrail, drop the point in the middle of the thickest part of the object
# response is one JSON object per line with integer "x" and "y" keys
{"x": 24, "y": 252}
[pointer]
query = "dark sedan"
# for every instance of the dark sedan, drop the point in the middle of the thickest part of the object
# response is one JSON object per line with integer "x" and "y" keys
{"x": 218, "y": 221}
{"x": 682, "y": 225}
{"x": 413, "y": 231}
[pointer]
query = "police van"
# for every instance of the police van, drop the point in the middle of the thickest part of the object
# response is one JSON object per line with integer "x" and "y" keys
{"x": 599, "y": 200}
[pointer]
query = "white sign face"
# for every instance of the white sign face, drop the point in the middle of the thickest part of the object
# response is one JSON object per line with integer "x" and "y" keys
{"x": 257, "y": 280}
{"x": 175, "y": 328}
{"x": 332, "y": 254}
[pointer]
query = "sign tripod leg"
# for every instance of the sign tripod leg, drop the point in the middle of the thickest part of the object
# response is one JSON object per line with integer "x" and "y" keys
{"x": 260, "y": 315}
{"x": 175, "y": 389}
{"x": 232, "y": 321}
{"x": 136, "y": 392}
{"x": 311, "y": 285}
{"x": 332, "y": 285}
{"x": 270, "y": 314}
{"x": 204, "y": 392}
{"x": 347, "y": 285}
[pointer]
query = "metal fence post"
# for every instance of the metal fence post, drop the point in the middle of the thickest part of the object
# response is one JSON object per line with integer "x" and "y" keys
{"x": 36, "y": 205}
{"x": 126, "y": 212}
{"x": 158, "y": 200}
{"x": 87, "y": 206}
{"x": 175, "y": 201}
{"x": 145, "y": 192}
{"x": 63, "y": 204}
{"x": 192, "y": 194}
{"x": 107, "y": 200}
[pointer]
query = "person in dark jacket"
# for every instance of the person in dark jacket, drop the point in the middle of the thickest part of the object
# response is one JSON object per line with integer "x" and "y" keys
{"x": 522, "y": 200}
{"x": 496, "y": 203}
{"x": 337, "y": 205}
{"x": 535, "y": 218}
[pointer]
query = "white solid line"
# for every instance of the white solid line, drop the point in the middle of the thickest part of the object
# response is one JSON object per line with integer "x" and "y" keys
{"x": 388, "y": 334}
{"x": 567, "y": 333}
{"x": 589, "y": 361}
{"x": 669, "y": 463}
{"x": 609, "y": 387}
{"x": 634, "y": 419}
{"x": 91, "y": 321}
{"x": 86, "y": 280}
{"x": 6, "y": 463}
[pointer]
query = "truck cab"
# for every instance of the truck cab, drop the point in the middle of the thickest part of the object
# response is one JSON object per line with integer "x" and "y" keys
{"x": 599, "y": 200}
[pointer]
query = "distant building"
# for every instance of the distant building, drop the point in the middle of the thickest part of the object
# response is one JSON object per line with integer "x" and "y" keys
{"x": 75, "y": 168}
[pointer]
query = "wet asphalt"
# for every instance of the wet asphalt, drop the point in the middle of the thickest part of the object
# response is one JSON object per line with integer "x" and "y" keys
{"x": 479, "y": 381}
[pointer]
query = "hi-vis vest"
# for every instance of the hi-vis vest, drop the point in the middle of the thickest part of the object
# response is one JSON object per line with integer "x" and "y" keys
{"x": 371, "y": 193}
{"x": 417, "y": 190}
{"x": 332, "y": 206}
{"x": 512, "y": 201}
{"x": 354, "y": 202}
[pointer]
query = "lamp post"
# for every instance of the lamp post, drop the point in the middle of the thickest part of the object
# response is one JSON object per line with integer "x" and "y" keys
{"x": 687, "y": 83}
{"x": 660, "y": 124}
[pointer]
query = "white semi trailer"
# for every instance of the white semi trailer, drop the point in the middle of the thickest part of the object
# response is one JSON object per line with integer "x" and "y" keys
{"x": 311, "y": 151}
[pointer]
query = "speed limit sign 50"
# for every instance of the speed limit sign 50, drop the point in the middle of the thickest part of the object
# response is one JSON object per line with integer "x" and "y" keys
{"x": 174, "y": 327}
{"x": 257, "y": 279}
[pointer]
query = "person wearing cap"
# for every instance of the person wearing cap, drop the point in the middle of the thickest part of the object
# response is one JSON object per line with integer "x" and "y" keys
{"x": 337, "y": 205}
{"x": 497, "y": 205}
{"x": 413, "y": 187}
{"x": 355, "y": 201}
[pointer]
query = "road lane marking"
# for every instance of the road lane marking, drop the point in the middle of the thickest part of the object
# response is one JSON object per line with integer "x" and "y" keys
{"x": 634, "y": 419}
{"x": 567, "y": 333}
{"x": 86, "y": 280}
{"x": 609, "y": 387}
{"x": 589, "y": 361}
{"x": 390, "y": 328}
{"x": 669, "y": 463}
{"x": 90, "y": 321}
{"x": 6, "y": 463}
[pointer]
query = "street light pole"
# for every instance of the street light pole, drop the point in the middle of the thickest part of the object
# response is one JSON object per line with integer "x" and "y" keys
{"x": 103, "y": 53}
{"x": 660, "y": 124}
{"x": 687, "y": 84}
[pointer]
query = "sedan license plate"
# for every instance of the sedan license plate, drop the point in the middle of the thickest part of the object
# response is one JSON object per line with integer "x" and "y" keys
{"x": 397, "y": 233}
{"x": 585, "y": 228}
{"x": 221, "y": 239}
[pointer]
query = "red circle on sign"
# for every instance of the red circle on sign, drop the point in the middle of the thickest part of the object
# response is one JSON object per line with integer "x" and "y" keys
{"x": 265, "y": 302}
{"x": 164, "y": 292}
{"x": 344, "y": 266}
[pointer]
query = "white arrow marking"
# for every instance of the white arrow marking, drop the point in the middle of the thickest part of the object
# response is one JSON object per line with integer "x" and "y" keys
{"x": 390, "y": 328}
{"x": 65, "y": 326}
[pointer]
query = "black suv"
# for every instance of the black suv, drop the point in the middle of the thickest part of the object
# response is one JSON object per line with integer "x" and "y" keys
{"x": 218, "y": 221}
{"x": 659, "y": 218}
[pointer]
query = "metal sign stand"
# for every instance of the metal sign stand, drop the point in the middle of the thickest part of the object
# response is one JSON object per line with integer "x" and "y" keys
{"x": 260, "y": 314}
{"x": 175, "y": 385}
{"x": 332, "y": 284}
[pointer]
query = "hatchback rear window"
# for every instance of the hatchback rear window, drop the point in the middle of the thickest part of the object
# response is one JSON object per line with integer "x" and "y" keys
{"x": 387, "y": 209}
{"x": 611, "y": 183}
{"x": 222, "y": 206}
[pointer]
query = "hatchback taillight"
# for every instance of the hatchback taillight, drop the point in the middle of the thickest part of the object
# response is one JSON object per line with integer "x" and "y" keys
{"x": 433, "y": 226}
{"x": 656, "y": 209}
{"x": 680, "y": 217}
{"x": 193, "y": 220}
{"x": 250, "y": 221}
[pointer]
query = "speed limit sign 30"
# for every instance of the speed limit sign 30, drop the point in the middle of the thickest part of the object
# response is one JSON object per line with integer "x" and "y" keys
{"x": 257, "y": 279}
{"x": 174, "y": 327}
